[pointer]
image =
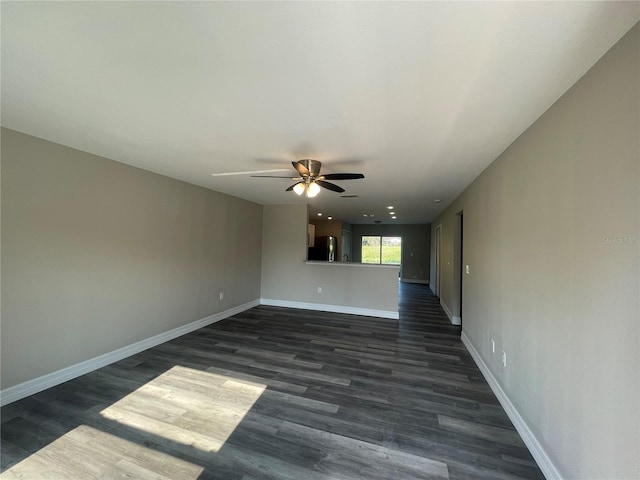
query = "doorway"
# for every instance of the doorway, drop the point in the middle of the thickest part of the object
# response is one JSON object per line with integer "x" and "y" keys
{"x": 347, "y": 256}
{"x": 438, "y": 270}
{"x": 458, "y": 268}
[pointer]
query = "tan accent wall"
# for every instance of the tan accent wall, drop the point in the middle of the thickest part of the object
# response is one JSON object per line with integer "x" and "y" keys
{"x": 97, "y": 255}
{"x": 552, "y": 239}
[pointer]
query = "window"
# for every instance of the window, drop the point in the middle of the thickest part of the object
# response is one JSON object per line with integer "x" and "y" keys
{"x": 381, "y": 250}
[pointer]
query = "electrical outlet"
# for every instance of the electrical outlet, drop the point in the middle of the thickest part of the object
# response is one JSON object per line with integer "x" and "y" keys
{"x": 221, "y": 295}
{"x": 504, "y": 359}
{"x": 319, "y": 289}
{"x": 493, "y": 346}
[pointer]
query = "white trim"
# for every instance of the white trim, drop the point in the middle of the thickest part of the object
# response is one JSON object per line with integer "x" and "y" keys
{"x": 437, "y": 240}
{"x": 31, "y": 387}
{"x": 537, "y": 451}
{"x": 414, "y": 280}
{"x": 331, "y": 308}
{"x": 453, "y": 319}
{"x": 446, "y": 309}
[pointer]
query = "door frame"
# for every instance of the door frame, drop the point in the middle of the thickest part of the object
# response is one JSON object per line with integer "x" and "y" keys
{"x": 458, "y": 266}
{"x": 438, "y": 259}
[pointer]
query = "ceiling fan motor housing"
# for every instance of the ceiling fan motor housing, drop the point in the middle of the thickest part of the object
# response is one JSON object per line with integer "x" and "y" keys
{"x": 312, "y": 165}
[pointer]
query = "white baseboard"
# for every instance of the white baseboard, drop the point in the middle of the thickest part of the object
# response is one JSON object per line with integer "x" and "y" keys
{"x": 414, "y": 280}
{"x": 331, "y": 308}
{"x": 537, "y": 451}
{"x": 452, "y": 318}
{"x": 31, "y": 387}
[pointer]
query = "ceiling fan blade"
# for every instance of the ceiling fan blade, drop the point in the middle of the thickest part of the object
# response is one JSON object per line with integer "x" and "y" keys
{"x": 247, "y": 172}
{"x": 302, "y": 170}
{"x": 271, "y": 176}
{"x": 343, "y": 176}
{"x": 330, "y": 186}
{"x": 291, "y": 187}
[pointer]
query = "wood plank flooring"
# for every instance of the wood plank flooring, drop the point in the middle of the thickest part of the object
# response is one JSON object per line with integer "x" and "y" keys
{"x": 277, "y": 393}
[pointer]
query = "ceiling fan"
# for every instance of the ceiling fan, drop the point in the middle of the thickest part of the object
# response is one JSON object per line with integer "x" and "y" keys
{"x": 310, "y": 179}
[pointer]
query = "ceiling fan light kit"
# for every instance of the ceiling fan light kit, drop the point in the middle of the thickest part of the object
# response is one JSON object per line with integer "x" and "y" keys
{"x": 299, "y": 188}
{"x": 313, "y": 189}
{"x": 310, "y": 179}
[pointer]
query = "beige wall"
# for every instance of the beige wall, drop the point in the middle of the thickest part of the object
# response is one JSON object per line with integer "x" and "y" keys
{"x": 97, "y": 255}
{"x": 416, "y": 241}
{"x": 552, "y": 241}
{"x": 287, "y": 278}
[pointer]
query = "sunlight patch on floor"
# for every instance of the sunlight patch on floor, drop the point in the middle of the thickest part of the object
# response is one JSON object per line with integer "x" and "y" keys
{"x": 177, "y": 411}
{"x": 88, "y": 453}
{"x": 187, "y": 406}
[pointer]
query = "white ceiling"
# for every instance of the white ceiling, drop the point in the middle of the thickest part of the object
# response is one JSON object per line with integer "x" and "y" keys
{"x": 420, "y": 97}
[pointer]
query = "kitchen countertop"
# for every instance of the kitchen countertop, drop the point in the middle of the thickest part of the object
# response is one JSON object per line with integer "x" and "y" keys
{"x": 350, "y": 264}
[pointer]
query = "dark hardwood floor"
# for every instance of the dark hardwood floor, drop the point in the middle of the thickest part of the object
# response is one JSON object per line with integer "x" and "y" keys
{"x": 277, "y": 393}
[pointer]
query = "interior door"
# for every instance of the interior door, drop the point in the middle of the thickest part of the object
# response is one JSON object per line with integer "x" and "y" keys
{"x": 438, "y": 238}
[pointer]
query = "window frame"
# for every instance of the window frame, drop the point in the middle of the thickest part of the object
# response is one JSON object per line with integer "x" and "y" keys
{"x": 381, "y": 239}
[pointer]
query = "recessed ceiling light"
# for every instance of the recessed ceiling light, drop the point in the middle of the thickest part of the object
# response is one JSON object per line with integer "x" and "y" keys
{"x": 390, "y": 207}
{"x": 392, "y": 213}
{"x": 365, "y": 215}
{"x": 394, "y": 217}
{"x": 319, "y": 214}
{"x": 329, "y": 218}
{"x": 437, "y": 200}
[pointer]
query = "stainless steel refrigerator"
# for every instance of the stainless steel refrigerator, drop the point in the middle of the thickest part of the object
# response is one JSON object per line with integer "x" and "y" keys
{"x": 324, "y": 249}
